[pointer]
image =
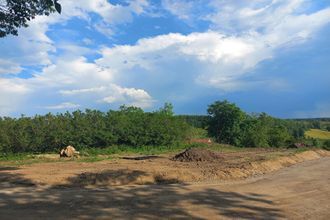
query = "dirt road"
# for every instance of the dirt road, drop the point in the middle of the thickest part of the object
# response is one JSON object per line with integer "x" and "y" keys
{"x": 301, "y": 191}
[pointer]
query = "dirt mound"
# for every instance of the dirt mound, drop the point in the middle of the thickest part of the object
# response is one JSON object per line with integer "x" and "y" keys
{"x": 196, "y": 155}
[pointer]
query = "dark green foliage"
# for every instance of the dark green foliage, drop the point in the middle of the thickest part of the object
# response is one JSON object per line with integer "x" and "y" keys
{"x": 230, "y": 125}
{"x": 197, "y": 121}
{"x": 254, "y": 132}
{"x": 225, "y": 122}
{"x": 326, "y": 145}
{"x": 316, "y": 142}
{"x": 316, "y": 124}
{"x": 130, "y": 126}
{"x": 16, "y": 13}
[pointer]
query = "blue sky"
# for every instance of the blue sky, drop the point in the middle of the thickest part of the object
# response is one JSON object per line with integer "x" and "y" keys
{"x": 268, "y": 56}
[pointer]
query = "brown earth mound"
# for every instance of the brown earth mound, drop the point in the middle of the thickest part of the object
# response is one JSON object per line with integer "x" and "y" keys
{"x": 195, "y": 155}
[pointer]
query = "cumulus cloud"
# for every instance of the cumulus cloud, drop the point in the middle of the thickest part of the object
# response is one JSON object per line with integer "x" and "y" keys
{"x": 9, "y": 67}
{"x": 241, "y": 35}
{"x": 64, "y": 105}
{"x": 12, "y": 94}
{"x": 223, "y": 59}
{"x": 129, "y": 96}
{"x": 111, "y": 14}
{"x": 33, "y": 46}
{"x": 75, "y": 82}
{"x": 181, "y": 9}
{"x": 113, "y": 94}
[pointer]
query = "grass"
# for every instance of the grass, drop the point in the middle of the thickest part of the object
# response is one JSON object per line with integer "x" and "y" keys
{"x": 109, "y": 153}
{"x": 319, "y": 134}
{"x": 128, "y": 150}
{"x": 19, "y": 159}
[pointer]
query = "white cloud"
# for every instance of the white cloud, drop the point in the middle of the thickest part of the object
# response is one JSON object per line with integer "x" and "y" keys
{"x": 111, "y": 14}
{"x": 129, "y": 96}
{"x": 71, "y": 82}
{"x": 7, "y": 66}
{"x": 223, "y": 58}
{"x": 181, "y": 9}
{"x": 245, "y": 16}
{"x": 83, "y": 91}
{"x": 114, "y": 94}
{"x": 64, "y": 105}
{"x": 12, "y": 94}
{"x": 242, "y": 34}
{"x": 87, "y": 41}
{"x": 33, "y": 46}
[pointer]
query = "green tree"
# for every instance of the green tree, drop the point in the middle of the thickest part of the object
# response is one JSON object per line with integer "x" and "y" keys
{"x": 225, "y": 121}
{"x": 16, "y": 13}
{"x": 326, "y": 145}
{"x": 167, "y": 109}
{"x": 254, "y": 132}
{"x": 278, "y": 136}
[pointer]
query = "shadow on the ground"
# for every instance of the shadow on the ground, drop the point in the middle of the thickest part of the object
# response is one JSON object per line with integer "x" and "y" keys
{"x": 148, "y": 157}
{"x": 8, "y": 168}
{"x": 105, "y": 178}
{"x": 126, "y": 202}
{"x": 8, "y": 180}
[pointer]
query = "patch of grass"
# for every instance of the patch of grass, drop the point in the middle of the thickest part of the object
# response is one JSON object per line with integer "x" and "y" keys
{"x": 127, "y": 150}
{"x": 317, "y": 133}
{"x": 16, "y": 159}
{"x": 13, "y": 157}
{"x": 99, "y": 154}
{"x": 19, "y": 159}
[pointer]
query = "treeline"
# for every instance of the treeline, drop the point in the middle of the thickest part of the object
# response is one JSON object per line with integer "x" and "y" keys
{"x": 229, "y": 124}
{"x": 316, "y": 123}
{"x": 129, "y": 126}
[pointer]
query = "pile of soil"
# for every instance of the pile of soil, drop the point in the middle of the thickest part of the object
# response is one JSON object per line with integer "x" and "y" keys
{"x": 196, "y": 155}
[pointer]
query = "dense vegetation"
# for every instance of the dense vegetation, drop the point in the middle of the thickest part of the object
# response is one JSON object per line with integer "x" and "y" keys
{"x": 131, "y": 126}
{"x": 230, "y": 125}
{"x": 197, "y": 121}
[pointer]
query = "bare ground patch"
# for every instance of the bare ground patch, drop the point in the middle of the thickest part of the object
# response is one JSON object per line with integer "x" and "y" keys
{"x": 202, "y": 166}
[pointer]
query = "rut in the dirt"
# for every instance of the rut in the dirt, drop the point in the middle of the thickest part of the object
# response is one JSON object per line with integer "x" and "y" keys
{"x": 196, "y": 154}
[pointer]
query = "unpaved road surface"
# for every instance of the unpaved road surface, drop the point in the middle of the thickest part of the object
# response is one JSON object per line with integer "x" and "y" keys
{"x": 301, "y": 191}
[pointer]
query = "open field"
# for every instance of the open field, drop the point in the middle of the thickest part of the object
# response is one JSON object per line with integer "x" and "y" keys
{"x": 108, "y": 190}
{"x": 154, "y": 169}
{"x": 113, "y": 152}
{"x": 317, "y": 133}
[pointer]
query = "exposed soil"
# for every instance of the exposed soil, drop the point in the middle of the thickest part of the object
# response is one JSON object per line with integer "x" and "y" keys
{"x": 299, "y": 192}
{"x": 157, "y": 170}
{"x": 197, "y": 155}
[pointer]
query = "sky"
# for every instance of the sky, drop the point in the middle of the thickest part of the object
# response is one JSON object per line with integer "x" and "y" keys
{"x": 268, "y": 56}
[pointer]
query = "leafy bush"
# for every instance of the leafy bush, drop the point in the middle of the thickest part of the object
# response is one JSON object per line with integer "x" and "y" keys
{"x": 326, "y": 145}
{"x": 129, "y": 126}
{"x": 230, "y": 125}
